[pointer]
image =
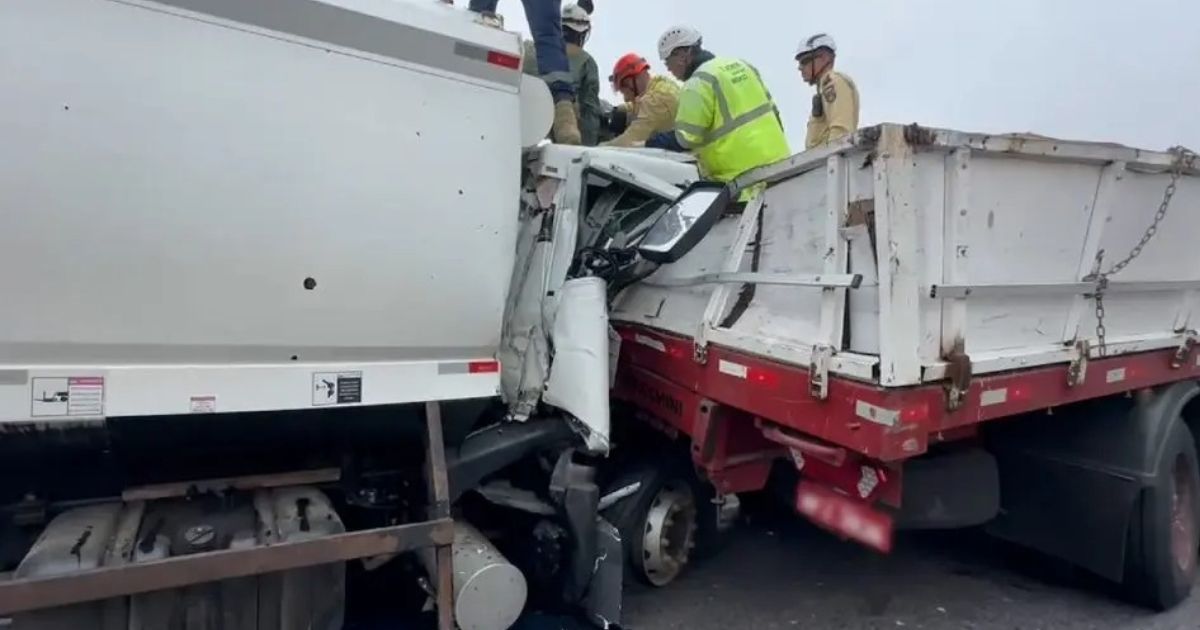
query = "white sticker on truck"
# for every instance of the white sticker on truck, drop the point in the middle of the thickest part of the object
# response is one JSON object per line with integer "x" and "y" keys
{"x": 203, "y": 404}
{"x": 67, "y": 396}
{"x": 733, "y": 369}
{"x": 876, "y": 414}
{"x": 1115, "y": 376}
{"x": 991, "y": 397}
{"x": 336, "y": 388}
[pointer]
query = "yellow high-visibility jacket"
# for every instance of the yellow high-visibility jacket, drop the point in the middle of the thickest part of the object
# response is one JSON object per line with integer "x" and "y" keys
{"x": 728, "y": 119}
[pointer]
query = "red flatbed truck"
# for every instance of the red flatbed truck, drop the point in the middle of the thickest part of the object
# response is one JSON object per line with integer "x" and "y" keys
{"x": 928, "y": 329}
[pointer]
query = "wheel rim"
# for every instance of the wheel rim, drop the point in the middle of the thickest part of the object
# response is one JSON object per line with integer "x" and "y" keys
{"x": 668, "y": 534}
{"x": 1183, "y": 516}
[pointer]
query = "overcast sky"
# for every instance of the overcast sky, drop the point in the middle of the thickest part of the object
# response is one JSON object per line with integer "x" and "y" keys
{"x": 1105, "y": 70}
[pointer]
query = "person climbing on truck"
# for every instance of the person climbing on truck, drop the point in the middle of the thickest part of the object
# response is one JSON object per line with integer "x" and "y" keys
{"x": 651, "y": 102}
{"x": 585, "y": 74}
{"x": 726, "y": 115}
{"x": 545, "y": 23}
{"x": 835, "y": 104}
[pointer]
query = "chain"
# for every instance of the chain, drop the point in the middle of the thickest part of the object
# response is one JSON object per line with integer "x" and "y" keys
{"x": 1184, "y": 160}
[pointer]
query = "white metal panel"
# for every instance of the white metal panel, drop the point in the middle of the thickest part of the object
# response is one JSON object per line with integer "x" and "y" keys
{"x": 1029, "y": 224}
{"x": 579, "y": 381}
{"x": 170, "y": 183}
{"x": 152, "y": 390}
{"x": 837, "y": 254}
{"x": 1171, "y": 255}
{"x": 679, "y": 309}
{"x": 1010, "y": 225}
{"x": 794, "y": 241}
{"x": 1103, "y": 206}
{"x": 898, "y": 226}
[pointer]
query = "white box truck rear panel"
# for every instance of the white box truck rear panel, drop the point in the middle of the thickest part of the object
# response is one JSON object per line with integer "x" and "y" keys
{"x": 222, "y": 206}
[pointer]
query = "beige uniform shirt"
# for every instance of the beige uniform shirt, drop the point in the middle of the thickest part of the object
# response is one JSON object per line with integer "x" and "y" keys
{"x": 834, "y": 110}
{"x": 652, "y": 112}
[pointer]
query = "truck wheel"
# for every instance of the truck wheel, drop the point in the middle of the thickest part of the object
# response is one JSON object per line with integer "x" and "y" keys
{"x": 1164, "y": 530}
{"x": 657, "y": 524}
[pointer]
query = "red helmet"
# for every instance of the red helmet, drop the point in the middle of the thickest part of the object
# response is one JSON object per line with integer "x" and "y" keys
{"x": 627, "y": 66}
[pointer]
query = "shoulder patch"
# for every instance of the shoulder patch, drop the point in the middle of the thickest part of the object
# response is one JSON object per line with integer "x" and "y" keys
{"x": 829, "y": 91}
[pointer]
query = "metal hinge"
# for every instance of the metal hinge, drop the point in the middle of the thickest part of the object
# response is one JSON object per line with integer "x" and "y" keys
{"x": 818, "y": 372}
{"x": 1183, "y": 353}
{"x": 958, "y": 373}
{"x": 1077, "y": 371}
{"x": 700, "y": 352}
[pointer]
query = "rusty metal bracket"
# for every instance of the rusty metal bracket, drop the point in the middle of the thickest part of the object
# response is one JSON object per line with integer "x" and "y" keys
{"x": 106, "y": 582}
{"x": 1077, "y": 371}
{"x": 958, "y": 374}
{"x": 818, "y": 371}
{"x": 1186, "y": 349}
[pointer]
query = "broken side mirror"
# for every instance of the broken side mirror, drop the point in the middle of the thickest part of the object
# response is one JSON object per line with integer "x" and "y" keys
{"x": 692, "y": 215}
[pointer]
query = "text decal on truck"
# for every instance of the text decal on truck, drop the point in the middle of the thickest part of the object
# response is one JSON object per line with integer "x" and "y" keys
{"x": 336, "y": 388}
{"x": 68, "y": 396}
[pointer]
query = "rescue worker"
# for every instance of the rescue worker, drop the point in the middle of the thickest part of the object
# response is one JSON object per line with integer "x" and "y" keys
{"x": 545, "y": 23}
{"x": 585, "y": 74}
{"x": 650, "y": 101}
{"x": 726, "y": 115}
{"x": 835, "y": 105}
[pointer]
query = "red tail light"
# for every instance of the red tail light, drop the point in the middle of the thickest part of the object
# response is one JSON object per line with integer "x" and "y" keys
{"x": 483, "y": 367}
{"x": 503, "y": 59}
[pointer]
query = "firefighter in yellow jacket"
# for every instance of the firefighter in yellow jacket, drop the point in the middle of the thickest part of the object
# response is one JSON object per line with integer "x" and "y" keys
{"x": 835, "y": 105}
{"x": 726, "y": 115}
{"x": 650, "y": 101}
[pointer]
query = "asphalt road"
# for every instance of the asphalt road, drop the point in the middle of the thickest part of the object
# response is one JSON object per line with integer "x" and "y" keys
{"x": 780, "y": 573}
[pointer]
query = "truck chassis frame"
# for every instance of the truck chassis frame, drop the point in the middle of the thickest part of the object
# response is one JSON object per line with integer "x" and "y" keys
{"x": 437, "y": 533}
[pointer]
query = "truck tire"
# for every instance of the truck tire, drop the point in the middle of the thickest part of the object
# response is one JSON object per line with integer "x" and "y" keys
{"x": 657, "y": 523}
{"x": 1161, "y": 550}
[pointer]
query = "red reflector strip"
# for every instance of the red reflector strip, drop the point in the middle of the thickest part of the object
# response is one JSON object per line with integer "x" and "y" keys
{"x": 504, "y": 60}
{"x": 918, "y": 412}
{"x": 765, "y": 378}
{"x": 483, "y": 367}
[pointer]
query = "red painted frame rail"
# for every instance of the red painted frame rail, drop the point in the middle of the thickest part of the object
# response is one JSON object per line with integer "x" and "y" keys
{"x": 885, "y": 424}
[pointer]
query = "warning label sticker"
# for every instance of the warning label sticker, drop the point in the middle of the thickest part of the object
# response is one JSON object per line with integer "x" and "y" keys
{"x": 336, "y": 388}
{"x": 68, "y": 396}
{"x": 203, "y": 404}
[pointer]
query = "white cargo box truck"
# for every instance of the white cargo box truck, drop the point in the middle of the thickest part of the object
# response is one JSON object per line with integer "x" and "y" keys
{"x": 248, "y": 248}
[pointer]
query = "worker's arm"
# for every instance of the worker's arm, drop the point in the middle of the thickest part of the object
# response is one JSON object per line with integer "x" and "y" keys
{"x": 816, "y": 124}
{"x": 588, "y": 97}
{"x": 697, "y": 110}
{"x": 655, "y": 114}
{"x": 668, "y": 140}
{"x": 839, "y": 103}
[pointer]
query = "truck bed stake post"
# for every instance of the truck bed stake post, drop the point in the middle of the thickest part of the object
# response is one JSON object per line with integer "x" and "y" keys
{"x": 439, "y": 492}
{"x": 1077, "y": 372}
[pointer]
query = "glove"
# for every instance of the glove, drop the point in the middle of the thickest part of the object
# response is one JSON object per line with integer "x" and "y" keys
{"x": 665, "y": 140}
{"x": 618, "y": 120}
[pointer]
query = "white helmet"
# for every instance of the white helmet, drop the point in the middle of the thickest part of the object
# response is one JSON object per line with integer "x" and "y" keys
{"x": 815, "y": 43}
{"x": 576, "y": 18}
{"x": 677, "y": 37}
